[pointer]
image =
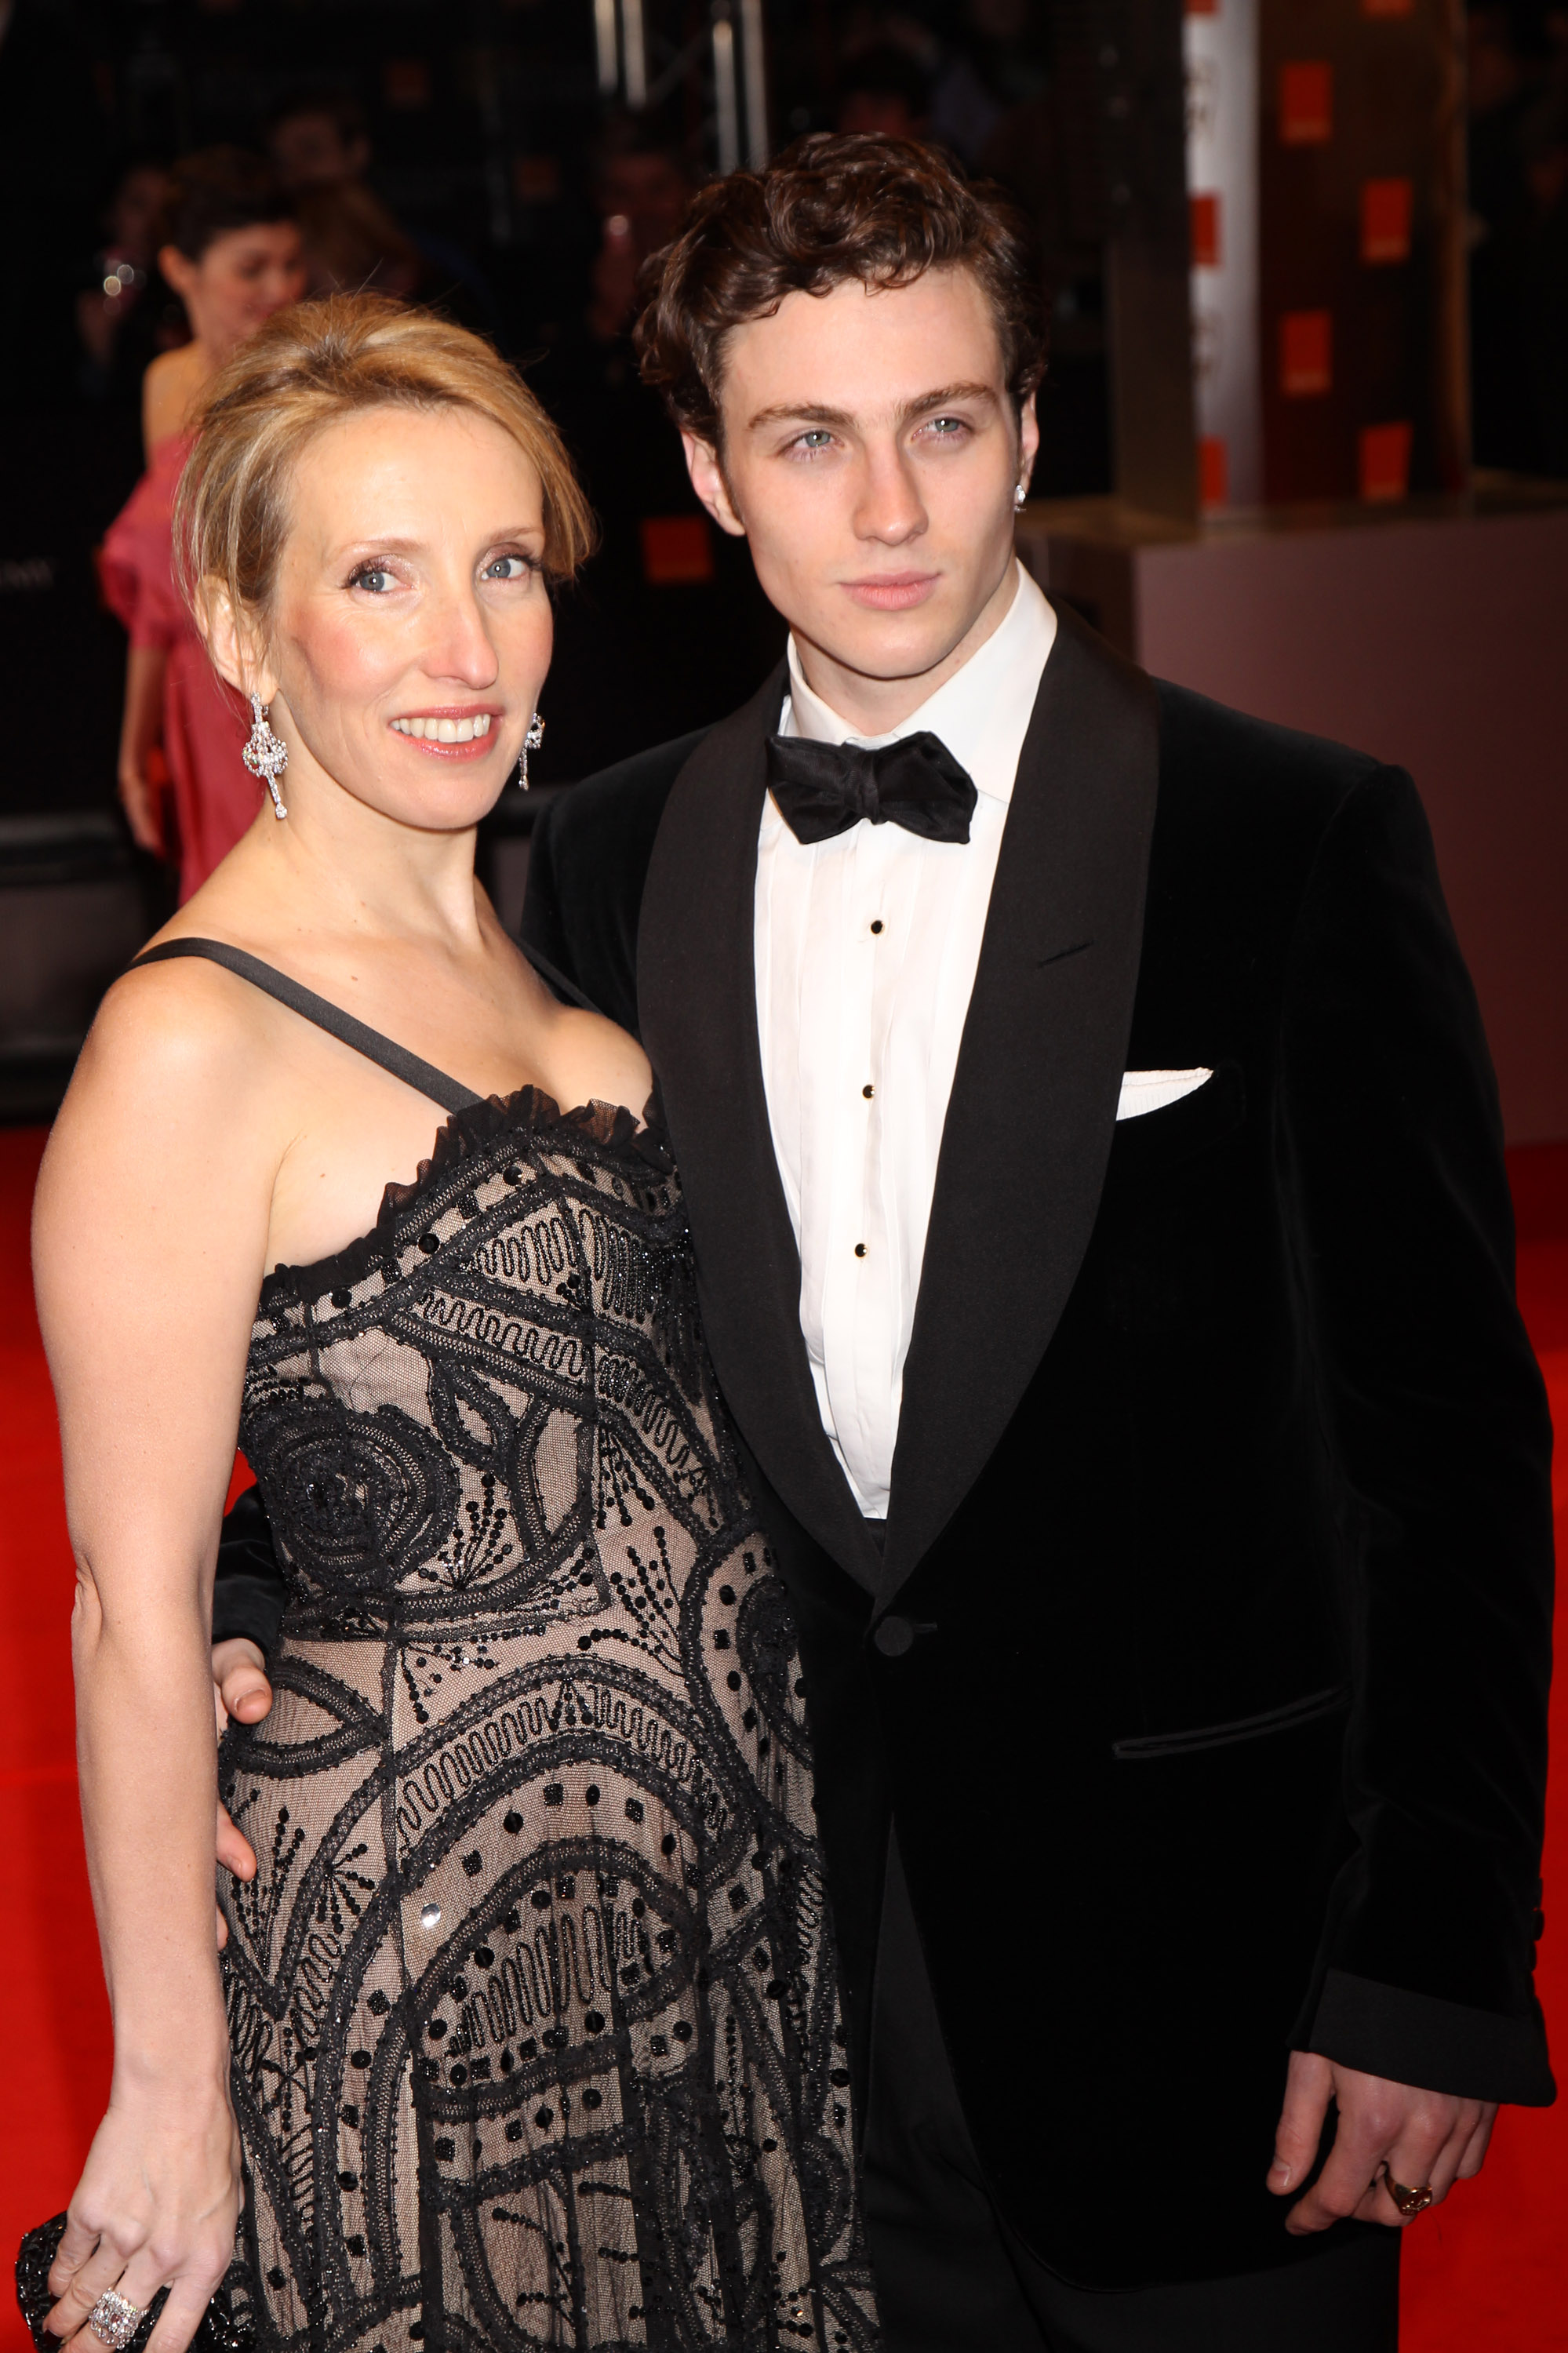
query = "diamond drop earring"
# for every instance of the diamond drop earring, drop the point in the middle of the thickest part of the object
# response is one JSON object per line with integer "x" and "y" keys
{"x": 531, "y": 743}
{"x": 266, "y": 754}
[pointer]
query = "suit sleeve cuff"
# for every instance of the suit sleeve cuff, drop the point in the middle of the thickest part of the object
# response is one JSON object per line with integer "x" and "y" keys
{"x": 1442, "y": 2046}
{"x": 248, "y": 1607}
{"x": 248, "y": 1593}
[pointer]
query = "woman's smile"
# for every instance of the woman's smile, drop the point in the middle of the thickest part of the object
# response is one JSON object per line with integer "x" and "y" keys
{"x": 453, "y": 731}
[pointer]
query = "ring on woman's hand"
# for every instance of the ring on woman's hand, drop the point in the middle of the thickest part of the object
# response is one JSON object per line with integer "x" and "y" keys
{"x": 114, "y": 2321}
{"x": 1410, "y": 2203}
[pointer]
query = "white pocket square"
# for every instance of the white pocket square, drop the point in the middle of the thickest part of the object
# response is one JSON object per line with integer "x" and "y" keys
{"x": 1144, "y": 1091}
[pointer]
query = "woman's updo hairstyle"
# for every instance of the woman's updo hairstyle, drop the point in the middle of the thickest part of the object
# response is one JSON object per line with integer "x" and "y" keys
{"x": 306, "y": 368}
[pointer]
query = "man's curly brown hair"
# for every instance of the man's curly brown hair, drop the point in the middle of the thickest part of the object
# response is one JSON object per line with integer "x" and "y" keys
{"x": 833, "y": 206}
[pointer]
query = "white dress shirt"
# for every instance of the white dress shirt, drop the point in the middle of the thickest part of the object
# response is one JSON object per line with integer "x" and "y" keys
{"x": 866, "y": 949}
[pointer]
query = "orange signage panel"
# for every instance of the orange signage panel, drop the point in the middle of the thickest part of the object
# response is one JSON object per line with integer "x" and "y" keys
{"x": 1213, "y": 470}
{"x": 1305, "y": 353}
{"x": 1384, "y": 453}
{"x": 1387, "y": 206}
{"x": 676, "y": 550}
{"x": 1307, "y": 104}
{"x": 1205, "y": 212}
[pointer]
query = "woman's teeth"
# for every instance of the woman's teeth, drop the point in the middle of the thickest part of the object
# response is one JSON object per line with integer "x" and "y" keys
{"x": 444, "y": 731}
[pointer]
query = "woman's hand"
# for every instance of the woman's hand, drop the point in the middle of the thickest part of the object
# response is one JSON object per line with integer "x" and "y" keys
{"x": 142, "y": 802}
{"x": 156, "y": 2206}
{"x": 140, "y": 730}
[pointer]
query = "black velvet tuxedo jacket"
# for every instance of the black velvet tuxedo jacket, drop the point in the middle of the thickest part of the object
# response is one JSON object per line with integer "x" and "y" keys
{"x": 1203, "y": 1670}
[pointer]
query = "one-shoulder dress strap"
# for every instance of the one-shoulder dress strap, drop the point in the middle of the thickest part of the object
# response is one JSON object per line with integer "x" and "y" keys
{"x": 423, "y": 1076}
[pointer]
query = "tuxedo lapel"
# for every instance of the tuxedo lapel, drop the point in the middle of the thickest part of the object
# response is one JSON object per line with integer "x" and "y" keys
{"x": 1032, "y": 1110}
{"x": 697, "y": 1005}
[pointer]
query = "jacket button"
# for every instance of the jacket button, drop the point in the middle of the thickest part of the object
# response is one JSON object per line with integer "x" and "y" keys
{"x": 894, "y": 1637}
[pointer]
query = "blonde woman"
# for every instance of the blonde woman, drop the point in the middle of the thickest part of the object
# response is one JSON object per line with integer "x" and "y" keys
{"x": 531, "y": 2026}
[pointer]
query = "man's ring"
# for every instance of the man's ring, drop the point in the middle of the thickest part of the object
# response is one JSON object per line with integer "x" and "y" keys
{"x": 1410, "y": 2203}
{"x": 114, "y": 2321}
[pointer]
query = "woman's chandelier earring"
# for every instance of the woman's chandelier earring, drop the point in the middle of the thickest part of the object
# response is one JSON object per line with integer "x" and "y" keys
{"x": 531, "y": 743}
{"x": 266, "y": 754}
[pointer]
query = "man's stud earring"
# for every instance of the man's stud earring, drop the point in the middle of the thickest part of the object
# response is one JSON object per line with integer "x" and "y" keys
{"x": 531, "y": 743}
{"x": 266, "y": 754}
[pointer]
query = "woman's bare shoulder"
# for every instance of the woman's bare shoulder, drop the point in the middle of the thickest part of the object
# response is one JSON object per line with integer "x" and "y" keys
{"x": 170, "y": 383}
{"x": 169, "y": 1036}
{"x": 168, "y": 1140}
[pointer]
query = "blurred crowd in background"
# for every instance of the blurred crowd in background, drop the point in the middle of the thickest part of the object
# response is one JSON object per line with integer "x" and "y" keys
{"x": 170, "y": 170}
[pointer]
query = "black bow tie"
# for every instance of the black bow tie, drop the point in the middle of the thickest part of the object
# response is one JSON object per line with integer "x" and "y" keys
{"x": 824, "y": 788}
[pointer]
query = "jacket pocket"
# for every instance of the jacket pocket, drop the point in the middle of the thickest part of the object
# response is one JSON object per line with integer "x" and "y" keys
{"x": 1144, "y": 1149}
{"x": 1243, "y": 1727}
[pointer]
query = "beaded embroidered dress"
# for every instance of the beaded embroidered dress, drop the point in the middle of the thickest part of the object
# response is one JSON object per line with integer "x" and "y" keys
{"x": 532, "y": 2001}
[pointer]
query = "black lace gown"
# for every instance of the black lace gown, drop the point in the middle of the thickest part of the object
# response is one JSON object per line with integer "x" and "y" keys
{"x": 535, "y": 2027}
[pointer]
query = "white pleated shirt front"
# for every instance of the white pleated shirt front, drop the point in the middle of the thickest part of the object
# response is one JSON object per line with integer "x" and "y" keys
{"x": 867, "y": 950}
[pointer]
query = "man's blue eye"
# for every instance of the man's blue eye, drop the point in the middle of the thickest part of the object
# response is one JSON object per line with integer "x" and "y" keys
{"x": 815, "y": 440}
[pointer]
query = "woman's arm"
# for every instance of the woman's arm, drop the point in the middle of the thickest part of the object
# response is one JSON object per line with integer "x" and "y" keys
{"x": 149, "y": 1240}
{"x": 141, "y": 728}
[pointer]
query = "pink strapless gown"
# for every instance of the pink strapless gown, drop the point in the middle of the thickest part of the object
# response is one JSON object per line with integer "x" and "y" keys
{"x": 205, "y": 722}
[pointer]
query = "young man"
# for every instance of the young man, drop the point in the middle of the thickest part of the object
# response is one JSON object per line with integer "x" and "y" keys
{"x": 1096, "y": 1181}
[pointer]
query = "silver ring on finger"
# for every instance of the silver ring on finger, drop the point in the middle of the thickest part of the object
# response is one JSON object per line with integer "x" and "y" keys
{"x": 114, "y": 2321}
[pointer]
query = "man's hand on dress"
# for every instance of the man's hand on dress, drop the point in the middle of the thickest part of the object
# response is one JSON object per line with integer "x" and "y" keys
{"x": 240, "y": 1690}
{"x": 1386, "y": 2131}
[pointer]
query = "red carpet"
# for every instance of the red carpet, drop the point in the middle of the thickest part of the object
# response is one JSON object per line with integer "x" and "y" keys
{"x": 1484, "y": 2274}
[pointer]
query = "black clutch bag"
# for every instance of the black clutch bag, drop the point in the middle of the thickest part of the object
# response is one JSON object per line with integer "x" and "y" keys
{"x": 226, "y": 2326}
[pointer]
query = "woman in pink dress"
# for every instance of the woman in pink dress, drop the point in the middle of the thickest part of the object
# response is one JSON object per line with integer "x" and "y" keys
{"x": 231, "y": 252}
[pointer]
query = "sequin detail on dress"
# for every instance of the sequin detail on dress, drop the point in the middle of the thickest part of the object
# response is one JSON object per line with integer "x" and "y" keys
{"x": 536, "y": 2025}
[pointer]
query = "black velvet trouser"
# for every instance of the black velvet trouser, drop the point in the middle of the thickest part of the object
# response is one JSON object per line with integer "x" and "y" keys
{"x": 953, "y": 2277}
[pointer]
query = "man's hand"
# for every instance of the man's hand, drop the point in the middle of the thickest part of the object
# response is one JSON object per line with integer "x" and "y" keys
{"x": 1414, "y": 2137}
{"x": 240, "y": 1690}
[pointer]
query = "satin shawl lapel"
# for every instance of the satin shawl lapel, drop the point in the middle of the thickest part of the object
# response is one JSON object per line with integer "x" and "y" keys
{"x": 1033, "y": 1112}
{"x": 696, "y": 993}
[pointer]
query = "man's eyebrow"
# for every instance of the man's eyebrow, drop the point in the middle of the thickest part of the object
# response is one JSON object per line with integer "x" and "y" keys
{"x": 799, "y": 412}
{"x": 946, "y": 392}
{"x": 806, "y": 412}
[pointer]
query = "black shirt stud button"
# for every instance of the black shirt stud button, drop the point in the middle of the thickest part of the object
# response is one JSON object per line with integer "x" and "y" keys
{"x": 894, "y": 1636}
